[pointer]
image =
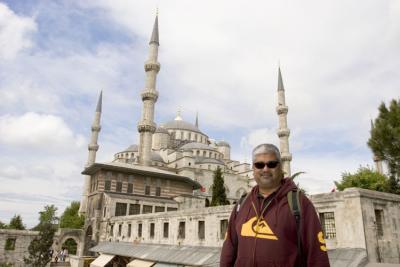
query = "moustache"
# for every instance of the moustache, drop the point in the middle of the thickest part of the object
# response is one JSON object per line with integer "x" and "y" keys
{"x": 266, "y": 175}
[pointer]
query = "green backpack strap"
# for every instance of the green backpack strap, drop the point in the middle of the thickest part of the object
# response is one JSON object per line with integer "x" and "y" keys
{"x": 295, "y": 207}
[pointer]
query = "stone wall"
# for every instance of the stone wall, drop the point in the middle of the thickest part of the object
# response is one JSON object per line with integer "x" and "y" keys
{"x": 363, "y": 219}
{"x": 19, "y": 250}
{"x": 213, "y": 219}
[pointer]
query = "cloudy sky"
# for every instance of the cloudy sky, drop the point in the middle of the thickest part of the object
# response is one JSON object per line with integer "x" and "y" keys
{"x": 340, "y": 59}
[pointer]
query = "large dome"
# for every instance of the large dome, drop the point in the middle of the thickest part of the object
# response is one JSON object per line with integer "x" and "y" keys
{"x": 181, "y": 125}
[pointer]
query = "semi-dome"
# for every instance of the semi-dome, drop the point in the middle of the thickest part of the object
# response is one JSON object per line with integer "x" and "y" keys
{"x": 223, "y": 143}
{"x": 195, "y": 145}
{"x": 162, "y": 129}
{"x": 156, "y": 157}
{"x": 132, "y": 148}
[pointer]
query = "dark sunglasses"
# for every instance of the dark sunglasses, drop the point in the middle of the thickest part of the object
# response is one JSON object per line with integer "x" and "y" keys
{"x": 270, "y": 164}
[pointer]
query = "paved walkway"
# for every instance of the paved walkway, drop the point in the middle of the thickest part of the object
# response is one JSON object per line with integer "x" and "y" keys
{"x": 375, "y": 264}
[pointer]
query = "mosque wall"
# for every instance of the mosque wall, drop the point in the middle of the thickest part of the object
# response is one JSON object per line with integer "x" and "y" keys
{"x": 360, "y": 218}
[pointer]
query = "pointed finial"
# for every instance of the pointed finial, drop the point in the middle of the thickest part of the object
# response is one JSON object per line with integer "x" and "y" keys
{"x": 154, "y": 34}
{"x": 280, "y": 82}
{"x": 99, "y": 102}
{"x": 197, "y": 119}
{"x": 178, "y": 115}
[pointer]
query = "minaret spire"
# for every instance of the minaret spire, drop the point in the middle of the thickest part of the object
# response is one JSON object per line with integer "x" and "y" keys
{"x": 154, "y": 34}
{"x": 283, "y": 131}
{"x": 93, "y": 147}
{"x": 146, "y": 126}
{"x": 197, "y": 120}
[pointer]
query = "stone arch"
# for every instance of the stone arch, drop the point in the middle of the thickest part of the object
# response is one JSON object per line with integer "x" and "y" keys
{"x": 64, "y": 234}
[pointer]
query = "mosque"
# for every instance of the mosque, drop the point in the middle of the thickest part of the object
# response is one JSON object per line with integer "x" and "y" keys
{"x": 170, "y": 169}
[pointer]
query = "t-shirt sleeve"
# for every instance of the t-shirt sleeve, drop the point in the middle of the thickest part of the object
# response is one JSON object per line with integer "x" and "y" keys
{"x": 314, "y": 246}
{"x": 229, "y": 248}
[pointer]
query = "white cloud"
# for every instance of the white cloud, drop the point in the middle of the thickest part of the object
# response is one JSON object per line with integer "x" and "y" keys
{"x": 15, "y": 32}
{"x": 34, "y": 130}
{"x": 339, "y": 61}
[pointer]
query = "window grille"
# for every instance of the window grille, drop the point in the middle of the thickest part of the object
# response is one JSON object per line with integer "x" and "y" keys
{"x": 107, "y": 185}
{"x": 147, "y": 209}
{"x": 152, "y": 226}
{"x": 201, "y": 232}
{"x": 130, "y": 188}
{"x": 10, "y": 244}
{"x": 181, "y": 230}
{"x": 223, "y": 228}
{"x": 160, "y": 209}
{"x": 166, "y": 230}
{"x": 379, "y": 222}
{"x": 171, "y": 209}
{"x": 328, "y": 224}
{"x": 134, "y": 209}
{"x": 139, "y": 230}
{"x": 119, "y": 187}
{"x": 120, "y": 209}
{"x": 158, "y": 191}
{"x": 147, "y": 190}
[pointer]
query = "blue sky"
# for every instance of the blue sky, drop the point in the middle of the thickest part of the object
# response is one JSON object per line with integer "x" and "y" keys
{"x": 339, "y": 61}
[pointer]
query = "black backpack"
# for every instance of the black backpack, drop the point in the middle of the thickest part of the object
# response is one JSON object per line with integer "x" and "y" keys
{"x": 293, "y": 198}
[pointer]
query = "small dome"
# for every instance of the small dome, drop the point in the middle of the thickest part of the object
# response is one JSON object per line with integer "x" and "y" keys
{"x": 162, "y": 129}
{"x": 195, "y": 145}
{"x": 223, "y": 143}
{"x": 156, "y": 157}
{"x": 132, "y": 148}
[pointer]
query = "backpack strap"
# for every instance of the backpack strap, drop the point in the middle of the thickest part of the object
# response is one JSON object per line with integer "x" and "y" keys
{"x": 294, "y": 205}
{"x": 242, "y": 199}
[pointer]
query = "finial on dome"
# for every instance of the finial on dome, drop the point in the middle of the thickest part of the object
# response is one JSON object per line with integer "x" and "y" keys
{"x": 178, "y": 115}
{"x": 197, "y": 120}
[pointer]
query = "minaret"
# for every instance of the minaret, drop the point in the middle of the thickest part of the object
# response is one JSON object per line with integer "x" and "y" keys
{"x": 93, "y": 147}
{"x": 377, "y": 160}
{"x": 197, "y": 120}
{"x": 146, "y": 126}
{"x": 283, "y": 131}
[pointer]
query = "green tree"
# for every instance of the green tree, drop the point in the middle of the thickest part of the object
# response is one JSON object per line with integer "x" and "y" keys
{"x": 365, "y": 178}
{"x": 385, "y": 141}
{"x": 16, "y": 223}
{"x": 71, "y": 246}
{"x": 39, "y": 247}
{"x": 3, "y": 225}
{"x": 218, "y": 189}
{"x": 71, "y": 218}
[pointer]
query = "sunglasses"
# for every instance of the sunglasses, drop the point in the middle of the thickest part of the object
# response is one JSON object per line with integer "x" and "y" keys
{"x": 270, "y": 164}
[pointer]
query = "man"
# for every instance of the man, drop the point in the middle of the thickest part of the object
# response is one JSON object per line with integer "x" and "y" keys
{"x": 262, "y": 229}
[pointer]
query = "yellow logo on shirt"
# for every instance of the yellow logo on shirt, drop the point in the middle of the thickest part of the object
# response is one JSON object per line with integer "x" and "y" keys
{"x": 321, "y": 240}
{"x": 257, "y": 228}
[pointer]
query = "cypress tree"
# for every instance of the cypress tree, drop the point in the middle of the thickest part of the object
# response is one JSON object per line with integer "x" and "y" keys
{"x": 218, "y": 189}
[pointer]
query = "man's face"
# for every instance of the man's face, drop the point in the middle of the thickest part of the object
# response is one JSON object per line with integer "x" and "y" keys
{"x": 267, "y": 178}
